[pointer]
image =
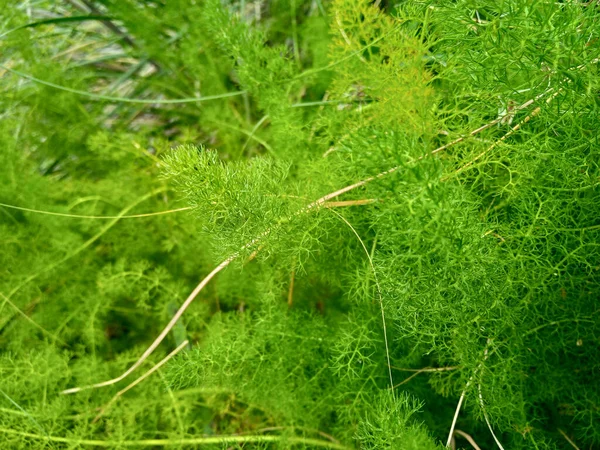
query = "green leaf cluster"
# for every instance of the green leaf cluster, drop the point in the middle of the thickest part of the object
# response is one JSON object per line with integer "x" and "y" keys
{"x": 397, "y": 203}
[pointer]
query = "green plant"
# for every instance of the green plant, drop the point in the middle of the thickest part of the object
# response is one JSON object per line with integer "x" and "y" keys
{"x": 395, "y": 205}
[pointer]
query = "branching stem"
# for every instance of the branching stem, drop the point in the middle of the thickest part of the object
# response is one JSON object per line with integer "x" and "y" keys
{"x": 140, "y": 379}
{"x": 462, "y": 397}
{"x": 469, "y": 439}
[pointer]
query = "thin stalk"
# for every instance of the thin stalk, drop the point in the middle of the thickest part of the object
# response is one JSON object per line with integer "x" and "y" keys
{"x": 455, "y": 418}
{"x": 111, "y": 98}
{"x": 79, "y": 249}
{"x": 485, "y": 416}
{"x": 469, "y": 438}
{"x": 418, "y": 371}
{"x": 140, "y": 379}
{"x": 23, "y": 412}
{"x": 163, "y": 334}
{"x": 290, "y": 299}
{"x": 462, "y": 397}
{"x": 568, "y": 439}
{"x": 31, "y": 321}
{"x": 83, "y": 216}
{"x": 385, "y": 337}
{"x": 211, "y": 440}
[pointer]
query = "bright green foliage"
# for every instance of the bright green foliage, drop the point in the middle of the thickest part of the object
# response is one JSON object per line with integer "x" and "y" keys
{"x": 467, "y": 257}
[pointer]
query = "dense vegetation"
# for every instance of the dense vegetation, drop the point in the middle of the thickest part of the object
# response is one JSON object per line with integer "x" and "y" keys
{"x": 398, "y": 204}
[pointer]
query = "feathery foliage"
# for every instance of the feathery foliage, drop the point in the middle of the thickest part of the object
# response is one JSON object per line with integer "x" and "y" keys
{"x": 397, "y": 203}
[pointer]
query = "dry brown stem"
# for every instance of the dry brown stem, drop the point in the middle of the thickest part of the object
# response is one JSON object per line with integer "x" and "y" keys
{"x": 469, "y": 438}
{"x": 140, "y": 379}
